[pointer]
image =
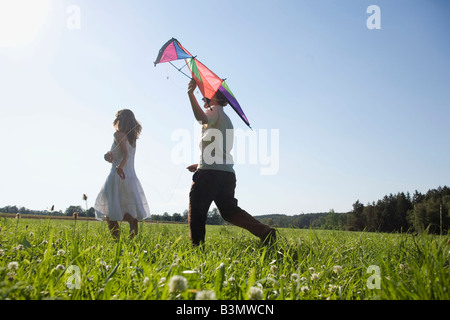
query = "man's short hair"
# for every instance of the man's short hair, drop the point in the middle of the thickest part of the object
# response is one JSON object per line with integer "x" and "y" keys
{"x": 221, "y": 100}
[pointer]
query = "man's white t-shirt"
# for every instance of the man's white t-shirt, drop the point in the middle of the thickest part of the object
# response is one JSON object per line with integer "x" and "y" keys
{"x": 217, "y": 141}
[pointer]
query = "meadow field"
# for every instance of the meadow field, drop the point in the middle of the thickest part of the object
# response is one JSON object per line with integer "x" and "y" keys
{"x": 78, "y": 259}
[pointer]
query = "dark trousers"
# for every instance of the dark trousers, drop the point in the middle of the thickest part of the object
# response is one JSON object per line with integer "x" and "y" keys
{"x": 218, "y": 186}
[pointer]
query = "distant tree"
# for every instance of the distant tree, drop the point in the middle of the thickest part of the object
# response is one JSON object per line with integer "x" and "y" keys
{"x": 177, "y": 217}
{"x": 70, "y": 210}
{"x": 155, "y": 217}
{"x": 91, "y": 212}
{"x": 214, "y": 217}
{"x": 166, "y": 216}
{"x": 331, "y": 221}
{"x": 12, "y": 209}
{"x": 356, "y": 219}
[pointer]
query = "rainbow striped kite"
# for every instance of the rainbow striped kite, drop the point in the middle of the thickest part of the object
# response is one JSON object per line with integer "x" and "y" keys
{"x": 207, "y": 81}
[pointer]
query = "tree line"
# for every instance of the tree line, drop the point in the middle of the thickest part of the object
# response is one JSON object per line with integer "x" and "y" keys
{"x": 393, "y": 213}
{"x": 213, "y": 217}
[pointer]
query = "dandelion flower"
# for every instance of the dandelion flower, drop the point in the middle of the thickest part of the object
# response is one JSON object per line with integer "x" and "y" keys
{"x": 11, "y": 276}
{"x": 85, "y": 197}
{"x": 75, "y": 215}
{"x": 60, "y": 267}
{"x": 332, "y": 288}
{"x": 13, "y": 265}
{"x": 205, "y": 295}
{"x": 304, "y": 289}
{"x": 294, "y": 277}
{"x": 273, "y": 269}
{"x": 255, "y": 293}
{"x": 337, "y": 269}
{"x": 404, "y": 266}
{"x": 178, "y": 284}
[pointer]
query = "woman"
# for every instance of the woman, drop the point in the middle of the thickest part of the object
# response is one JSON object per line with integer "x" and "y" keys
{"x": 122, "y": 197}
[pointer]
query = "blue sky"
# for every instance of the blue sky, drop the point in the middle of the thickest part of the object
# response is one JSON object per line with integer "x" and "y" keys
{"x": 360, "y": 113}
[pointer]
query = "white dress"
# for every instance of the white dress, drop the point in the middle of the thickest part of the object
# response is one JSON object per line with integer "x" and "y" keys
{"x": 119, "y": 196}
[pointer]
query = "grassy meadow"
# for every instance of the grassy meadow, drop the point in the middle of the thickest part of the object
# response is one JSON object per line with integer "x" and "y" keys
{"x": 76, "y": 259}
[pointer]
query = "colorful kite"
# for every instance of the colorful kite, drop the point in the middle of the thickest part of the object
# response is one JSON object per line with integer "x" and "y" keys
{"x": 207, "y": 81}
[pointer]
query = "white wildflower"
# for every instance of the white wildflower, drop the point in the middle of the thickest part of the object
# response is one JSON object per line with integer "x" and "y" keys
{"x": 255, "y": 293}
{"x": 337, "y": 269}
{"x": 60, "y": 267}
{"x": 205, "y": 295}
{"x": 314, "y": 276}
{"x": 311, "y": 270}
{"x": 294, "y": 277}
{"x": 177, "y": 262}
{"x": 61, "y": 252}
{"x": 178, "y": 284}
{"x": 404, "y": 266}
{"x": 332, "y": 288}
{"x": 304, "y": 289}
{"x": 13, "y": 265}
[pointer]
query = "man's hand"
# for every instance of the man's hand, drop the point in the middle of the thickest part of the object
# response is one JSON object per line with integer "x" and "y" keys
{"x": 191, "y": 87}
{"x": 199, "y": 114}
{"x": 193, "y": 167}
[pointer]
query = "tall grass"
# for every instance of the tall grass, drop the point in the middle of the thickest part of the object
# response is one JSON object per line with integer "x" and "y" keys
{"x": 48, "y": 259}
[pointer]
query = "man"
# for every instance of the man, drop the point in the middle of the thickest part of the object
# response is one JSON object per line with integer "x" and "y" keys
{"x": 214, "y": 178}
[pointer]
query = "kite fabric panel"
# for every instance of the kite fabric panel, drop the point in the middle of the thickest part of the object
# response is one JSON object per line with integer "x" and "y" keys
{"x": 233, "y": 102}
{"x": 207, "y": 81}
{"x": 172, "y": 50}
